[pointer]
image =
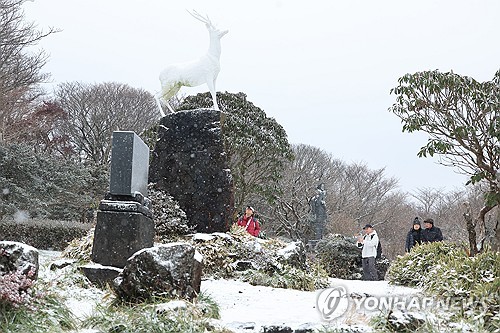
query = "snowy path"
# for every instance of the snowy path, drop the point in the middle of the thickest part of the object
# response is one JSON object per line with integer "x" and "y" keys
{"x": 243, "y": 306}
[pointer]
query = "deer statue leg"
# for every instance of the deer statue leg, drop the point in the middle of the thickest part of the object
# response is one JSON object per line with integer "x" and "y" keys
{"x": 211, "y": 87}
{"x": 169, "y": 107}
{"x": 168, "y": 91}
{"x": 158, "y": 103}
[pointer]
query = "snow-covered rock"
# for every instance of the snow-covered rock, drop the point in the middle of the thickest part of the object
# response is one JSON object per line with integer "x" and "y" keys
{"x": 171, "y": 270}
{"x": 18, "y": 257}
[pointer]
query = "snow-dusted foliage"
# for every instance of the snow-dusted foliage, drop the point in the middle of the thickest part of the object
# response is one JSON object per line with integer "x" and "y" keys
{"x": 40, "y": 185}
{"x": 340, "y": 257}
{"x": 445, "y": 270}
{"x": 170, "y": 220}
{"x": 409, "y": 269}
{"x": 239, "y": 255}
{"x": 80, "y": 248}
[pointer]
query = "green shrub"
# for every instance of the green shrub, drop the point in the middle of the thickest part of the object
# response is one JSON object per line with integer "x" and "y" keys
{"x": 41, "y": 233}
{"x": 289, "y": 277}
{"x": 476, "y": 280}
{"x": 339, "y": 256}
{"x": 409, "y": 270}
{"x": 445, "y": 270}
{"x": 44, "y": 186}
{"x": 459, "y": 275}
{"x": 487, "y": 304}
{"x": 402, "y": 322}
{"x": 150, "y": 318}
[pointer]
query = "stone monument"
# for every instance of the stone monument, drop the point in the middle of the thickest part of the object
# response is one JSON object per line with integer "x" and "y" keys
{"x": 124, "y": 220}
{"x": 129, "y": 165}
{"x": 189, "y": 163}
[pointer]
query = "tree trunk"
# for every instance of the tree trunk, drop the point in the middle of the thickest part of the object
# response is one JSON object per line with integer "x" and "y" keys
{"x": 471, "y": 229}
{"x": 472, "y": 236}
{"x": 481, "y": 221}
{"x": 495, "y": 241}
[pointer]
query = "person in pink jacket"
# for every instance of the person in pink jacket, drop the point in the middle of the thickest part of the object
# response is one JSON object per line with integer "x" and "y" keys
{"x": 249, "y": 222}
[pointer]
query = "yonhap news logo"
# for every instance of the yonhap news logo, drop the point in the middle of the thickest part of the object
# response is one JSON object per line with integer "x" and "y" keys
{"x": 332, "y": 303}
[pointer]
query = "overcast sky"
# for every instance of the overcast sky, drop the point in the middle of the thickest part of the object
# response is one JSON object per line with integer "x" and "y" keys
{"x": 322, "y": 69}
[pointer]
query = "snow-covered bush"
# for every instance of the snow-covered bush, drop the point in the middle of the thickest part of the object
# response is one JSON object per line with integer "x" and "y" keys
{"x": 460, "y": 274}
{"x": 170, "y": 220}
{"x": 445, "y": 270}
{"x": 476, "y": 280}
{"x": 80, "y": 248}
{"x": 240, "y": 255}
{"x": 401, "y": 322}
{"x": 409, "y": 270}
{"x": 42, "y": 233}
{"x": 45, "y": 186}
{"x": 339, "y": 256}
{"x": 160, "y": 316}
{"x": 486, "y": 303}
{"x": 289, "y": 277}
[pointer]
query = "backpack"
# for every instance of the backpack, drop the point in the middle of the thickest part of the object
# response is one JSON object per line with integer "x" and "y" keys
{"x": 379, "y": 250}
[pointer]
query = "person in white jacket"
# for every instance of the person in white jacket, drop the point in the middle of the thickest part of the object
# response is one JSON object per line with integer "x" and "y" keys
{"x": 369, "y": 243}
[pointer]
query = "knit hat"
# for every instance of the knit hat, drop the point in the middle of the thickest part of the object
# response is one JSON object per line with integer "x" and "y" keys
{"x": 416, "y": 221}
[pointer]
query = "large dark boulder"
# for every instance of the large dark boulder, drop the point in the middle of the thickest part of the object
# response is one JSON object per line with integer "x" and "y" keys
{"x": 18, "y": 257}
{"x": 340, "y": 256}
{"x": 170, "y": 270}
{"x": 189, "y": 163}
{"x": 382, "y": 265}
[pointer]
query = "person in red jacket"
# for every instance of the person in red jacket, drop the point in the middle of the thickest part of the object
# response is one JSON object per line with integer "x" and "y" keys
{"x": 249, "y": 222}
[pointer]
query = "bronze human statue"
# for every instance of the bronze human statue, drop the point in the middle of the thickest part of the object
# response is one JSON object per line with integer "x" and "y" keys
{"x": 318, "y": 207}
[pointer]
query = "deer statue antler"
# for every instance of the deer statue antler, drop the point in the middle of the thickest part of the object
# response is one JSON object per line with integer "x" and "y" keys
{"x": 205, "y": 19}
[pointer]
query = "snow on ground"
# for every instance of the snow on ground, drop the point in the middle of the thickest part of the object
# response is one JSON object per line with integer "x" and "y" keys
{"x": 81, "y": 301}
{"x": 243, "y": 305}
{"x": 247, "y": 308}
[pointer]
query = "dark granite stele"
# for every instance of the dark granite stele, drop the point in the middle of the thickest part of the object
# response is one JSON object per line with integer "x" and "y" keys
{"x": 189, "y": 163}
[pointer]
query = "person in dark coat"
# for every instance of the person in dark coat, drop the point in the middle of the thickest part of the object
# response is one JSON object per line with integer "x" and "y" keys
{"x": 431, "y": 233}
{"x": 414, "y": 236}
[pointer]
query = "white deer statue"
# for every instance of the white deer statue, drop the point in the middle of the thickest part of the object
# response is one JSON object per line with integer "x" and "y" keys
{"x": 197, "y": 72}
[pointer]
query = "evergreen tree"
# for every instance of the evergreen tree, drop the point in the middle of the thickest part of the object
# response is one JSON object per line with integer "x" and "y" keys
{"x": 257, "y": 145}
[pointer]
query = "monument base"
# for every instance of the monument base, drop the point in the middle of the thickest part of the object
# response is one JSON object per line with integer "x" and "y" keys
{"x": 118, "y": 235}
